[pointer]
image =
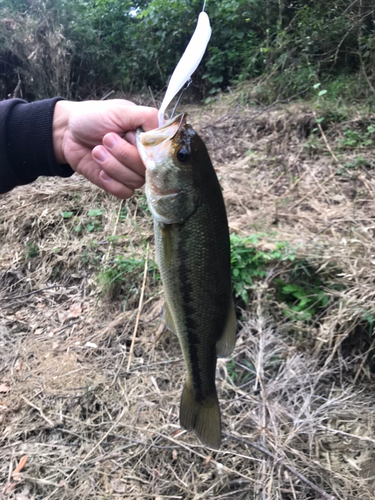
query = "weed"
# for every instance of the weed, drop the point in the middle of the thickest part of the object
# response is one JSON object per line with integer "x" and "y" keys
{"x": 231, "y": 367}
{"x": 303, "y": 301}
{"x": 91, "y": 222}
{"x": 241, "y": 372}
{"x": 357, "y": 138}
{"x": 31, "y": 250}
{"x": 358, "y": 162}
{"x": 123, "y": 213}
{"x": 143, "y": 205}
{"x": 124, "y": 270}
{"x": 250, "y": 262}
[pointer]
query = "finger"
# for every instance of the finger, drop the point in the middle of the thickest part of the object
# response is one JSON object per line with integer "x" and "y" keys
{"x": 114, "y": 187}
{"x": 115, "y": 169}
{"x": 93, "y": 172}
{"x": 124, "y": 152}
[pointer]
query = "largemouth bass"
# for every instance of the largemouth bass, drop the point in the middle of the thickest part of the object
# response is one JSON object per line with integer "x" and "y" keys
{"x": 193, "y": 254}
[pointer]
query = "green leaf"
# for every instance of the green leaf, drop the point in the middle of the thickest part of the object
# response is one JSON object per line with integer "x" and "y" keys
{"x": 66, "y": 215}
{"x": 290, "y": 288}
{"x": 95, "y": 212}
{"x": 322, "y": 92}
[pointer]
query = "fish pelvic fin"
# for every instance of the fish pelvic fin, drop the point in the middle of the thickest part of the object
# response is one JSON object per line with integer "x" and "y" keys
{"x": 203, "y": 417}
{"x": 225, "y": 344}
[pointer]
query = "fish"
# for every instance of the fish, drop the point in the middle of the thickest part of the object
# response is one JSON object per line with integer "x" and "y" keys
{"x": 192, "y": 249}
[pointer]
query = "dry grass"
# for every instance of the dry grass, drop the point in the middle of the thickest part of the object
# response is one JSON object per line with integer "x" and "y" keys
{"x": 302, "y": 394}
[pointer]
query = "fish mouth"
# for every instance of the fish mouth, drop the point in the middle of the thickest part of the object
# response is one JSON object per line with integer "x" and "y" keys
{"x": 155, "y": 145}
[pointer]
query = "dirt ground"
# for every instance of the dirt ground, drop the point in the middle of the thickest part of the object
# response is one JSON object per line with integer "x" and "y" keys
{"x": 90, "y": 380}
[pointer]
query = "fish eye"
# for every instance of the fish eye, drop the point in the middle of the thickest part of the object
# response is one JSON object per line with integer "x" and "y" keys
{"x": 182, "y": 155}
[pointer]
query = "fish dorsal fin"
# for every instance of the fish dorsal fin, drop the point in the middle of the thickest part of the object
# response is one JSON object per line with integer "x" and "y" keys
{"x": 169, "y": 323}
{"x": 225, "y": 344}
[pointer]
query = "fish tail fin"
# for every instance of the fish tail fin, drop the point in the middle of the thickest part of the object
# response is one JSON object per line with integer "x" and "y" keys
{"x": 202, "y": 417}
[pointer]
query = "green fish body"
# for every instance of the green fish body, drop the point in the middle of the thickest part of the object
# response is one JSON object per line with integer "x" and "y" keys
{"x": 193, "y": 254}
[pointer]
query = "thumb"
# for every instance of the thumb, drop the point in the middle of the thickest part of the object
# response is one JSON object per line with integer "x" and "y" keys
{"x": 130, "y": 118}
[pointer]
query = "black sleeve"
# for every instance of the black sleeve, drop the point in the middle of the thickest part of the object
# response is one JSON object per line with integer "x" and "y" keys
{"x": 26, "y": 144}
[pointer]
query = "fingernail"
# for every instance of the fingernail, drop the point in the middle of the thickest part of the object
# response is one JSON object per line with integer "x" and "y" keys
{"x": 100, "y": 154}
{"x": 109, "y": 141}
{"x": 105, "y": 177}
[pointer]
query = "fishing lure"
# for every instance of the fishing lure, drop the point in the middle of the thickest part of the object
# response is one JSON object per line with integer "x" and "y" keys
{"x": 188, "y": 63}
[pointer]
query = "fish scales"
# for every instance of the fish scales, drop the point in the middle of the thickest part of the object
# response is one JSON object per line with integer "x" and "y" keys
{"x": 193, "y": 254}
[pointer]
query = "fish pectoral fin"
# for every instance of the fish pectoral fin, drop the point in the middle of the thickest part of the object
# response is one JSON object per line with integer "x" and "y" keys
{"x": 169, "y": 323}
{"x": 203, "y": 417}
{"x": 166, "y": 233}
{"x": 226, "y": 343}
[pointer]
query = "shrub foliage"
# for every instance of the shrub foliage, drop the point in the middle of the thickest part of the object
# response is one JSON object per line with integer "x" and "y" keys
{"x": 81, "y": 48}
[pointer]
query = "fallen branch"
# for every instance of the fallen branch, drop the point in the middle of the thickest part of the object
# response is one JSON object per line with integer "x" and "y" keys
{"x": 39, "y": 410}
{"x": 138, "y": 313}
{"x": 30, "y": 293}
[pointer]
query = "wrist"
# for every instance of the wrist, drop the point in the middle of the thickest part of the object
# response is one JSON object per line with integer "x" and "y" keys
{"x": 60, "y": 125}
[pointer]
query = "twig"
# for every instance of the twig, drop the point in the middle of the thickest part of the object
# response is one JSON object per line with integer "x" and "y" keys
{"x": 110, "y": 456}
{"x": 39, "y": 410}
{"x": 89, "y": 453}
{"x": 107, "y": 95}
{"x": 232, "y": 493}
{"x": 114, "y": 229}
{"x": 343, "y": 433}
{"x": 325, "y": 138}
{"x": 139, "y": 312}
{"x": 150, "y": 365}
{"x": 281, "y": 462}
{"x": 294, "y": 185}
{"x": 273, "y": 184}
{"x": 18, "y": 87}
{"x": 313, "y": 191}
{"x": 365, "y": 356}
{"x": 30, "y": 293}
{"x": 152, "y": 97}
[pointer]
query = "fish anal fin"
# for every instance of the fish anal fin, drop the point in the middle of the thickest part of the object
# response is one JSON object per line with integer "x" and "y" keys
{"x": 201, "y": 416}
{"x": 225, "y": 344}
{"x": 169, "y": 323}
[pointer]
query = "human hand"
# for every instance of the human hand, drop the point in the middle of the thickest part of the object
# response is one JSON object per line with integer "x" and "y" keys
{"x": 97, "y": 139}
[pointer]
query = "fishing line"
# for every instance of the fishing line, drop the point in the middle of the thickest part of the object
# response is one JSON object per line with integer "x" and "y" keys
{"x": 179, "y": 97}
{"x": 179, "y": 126}
{"x": 204, "y": 5}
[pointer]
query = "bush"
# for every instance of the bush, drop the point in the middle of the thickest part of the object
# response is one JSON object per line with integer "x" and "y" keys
{"x": 82, "y": 48}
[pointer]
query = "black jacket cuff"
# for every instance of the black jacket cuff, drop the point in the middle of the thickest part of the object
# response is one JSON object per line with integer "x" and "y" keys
{"x": 28, "y": 143}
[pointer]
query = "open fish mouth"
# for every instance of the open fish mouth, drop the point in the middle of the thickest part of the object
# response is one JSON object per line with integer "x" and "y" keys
{"x": 155, "y": 145}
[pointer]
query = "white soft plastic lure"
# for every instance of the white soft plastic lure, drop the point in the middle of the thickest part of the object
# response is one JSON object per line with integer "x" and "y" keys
{"x": 188, "y": 63}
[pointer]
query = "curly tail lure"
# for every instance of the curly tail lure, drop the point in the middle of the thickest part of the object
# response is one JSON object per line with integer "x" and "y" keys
{"x": 188, "y": 63}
